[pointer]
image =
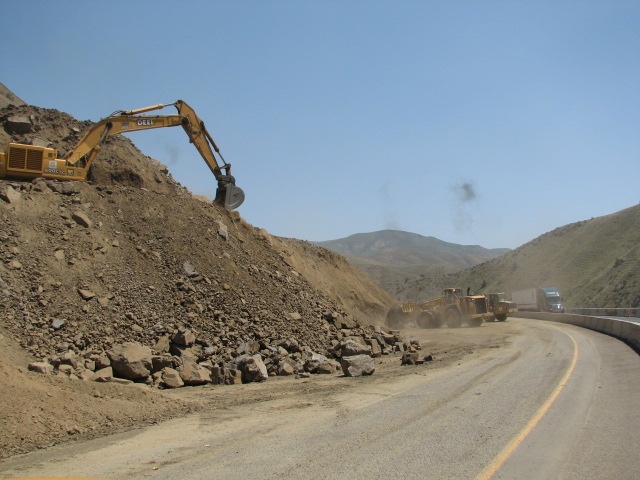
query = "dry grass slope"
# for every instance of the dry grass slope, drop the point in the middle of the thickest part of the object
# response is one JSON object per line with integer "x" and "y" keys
{"x": 594, "y": 263}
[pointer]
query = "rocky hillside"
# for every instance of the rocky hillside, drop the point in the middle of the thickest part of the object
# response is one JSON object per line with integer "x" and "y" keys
{"x": 154, "y": 257}
{"x": 392, "y": 258}
{"x": 594, "y": 263}
{"x": 132, "y": 257}
{"x": 7, "y": 97}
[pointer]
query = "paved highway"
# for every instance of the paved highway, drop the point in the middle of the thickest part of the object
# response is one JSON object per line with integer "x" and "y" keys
{"x": 556, "y": 401}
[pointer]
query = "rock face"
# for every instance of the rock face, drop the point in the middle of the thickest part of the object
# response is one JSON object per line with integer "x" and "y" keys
{"x": 191, "y": 365}
{"x": 142, "y": 307}
{"x": 136, "y": 279}
{"x": 132, "y": 257}
{"x": 140, "y": 311}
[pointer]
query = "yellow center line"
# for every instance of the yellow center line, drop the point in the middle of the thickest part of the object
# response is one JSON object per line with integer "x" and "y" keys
{"x": 497, "y": 462}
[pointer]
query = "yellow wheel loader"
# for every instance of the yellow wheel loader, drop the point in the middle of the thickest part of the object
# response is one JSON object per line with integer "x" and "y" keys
{"x": 452, "y": 309}
{"x": 500, "y": 306}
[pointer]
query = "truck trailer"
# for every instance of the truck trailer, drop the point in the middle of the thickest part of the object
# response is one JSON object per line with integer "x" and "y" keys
{"x": 539, "y": 299}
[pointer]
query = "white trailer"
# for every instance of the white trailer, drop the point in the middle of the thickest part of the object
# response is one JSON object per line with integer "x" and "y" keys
{"x": 526, "y": 299}
{"x": 539, "y": 299}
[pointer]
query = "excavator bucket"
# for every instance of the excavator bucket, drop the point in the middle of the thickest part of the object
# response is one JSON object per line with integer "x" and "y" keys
{"x": 233, "y": 197}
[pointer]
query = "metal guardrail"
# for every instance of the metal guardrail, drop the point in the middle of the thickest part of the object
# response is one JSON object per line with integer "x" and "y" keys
{"x": 606, "y": 312}
{"x": 627, "y": 331}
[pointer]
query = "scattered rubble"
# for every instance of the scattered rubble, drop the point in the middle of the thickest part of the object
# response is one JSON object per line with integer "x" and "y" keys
{"x": 233, "y": 304}
{"x": 131, "y": 281}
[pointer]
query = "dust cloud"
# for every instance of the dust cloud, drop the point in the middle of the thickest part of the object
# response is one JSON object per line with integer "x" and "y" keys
{"x": 465, "y": 194}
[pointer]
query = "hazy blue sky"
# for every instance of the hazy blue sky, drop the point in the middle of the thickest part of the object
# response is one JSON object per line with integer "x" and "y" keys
{"x": 477, "y": 122}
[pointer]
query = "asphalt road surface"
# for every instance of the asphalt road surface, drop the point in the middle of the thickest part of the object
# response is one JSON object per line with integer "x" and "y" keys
{"x": 553, "y": 401}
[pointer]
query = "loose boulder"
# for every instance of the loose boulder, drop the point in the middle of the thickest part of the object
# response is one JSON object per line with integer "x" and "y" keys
{"x": 10, "y": 195}
{"x": 20, "y": 124}
{"x": 285, "y": 368}
{"x": 328, "y": 367}
{"x": 252, "y": 367}
{"x": 376, "y": 349}
{"x": 104, "y": 375}
{"x": 194, "y": 374}
{"x": 82, "y": 219}
{"x": 410, "y": 358}
{"x": 357, "y": 365}
{"x": 170, "y": 378}
{"x": 313, "y": 362}
{"x": 131, "y": 361}
{"x": 350, "y": 348}
{"x": 41, "y": 367}
{"x": 184, "y": 337}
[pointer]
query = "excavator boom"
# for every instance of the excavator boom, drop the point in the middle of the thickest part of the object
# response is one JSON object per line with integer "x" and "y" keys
{"x": 27, "y": 161}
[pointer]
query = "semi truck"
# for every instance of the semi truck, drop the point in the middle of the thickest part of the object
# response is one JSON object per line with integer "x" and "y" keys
{"x": 539, "y": 299}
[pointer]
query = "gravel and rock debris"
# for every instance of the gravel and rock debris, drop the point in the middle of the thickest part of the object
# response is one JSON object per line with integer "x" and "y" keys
{"x": 120, "y": 289}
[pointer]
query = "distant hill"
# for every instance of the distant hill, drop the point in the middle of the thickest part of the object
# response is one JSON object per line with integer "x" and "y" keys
{"x": 392, "y": 258}
{"x": 594, "y": 263}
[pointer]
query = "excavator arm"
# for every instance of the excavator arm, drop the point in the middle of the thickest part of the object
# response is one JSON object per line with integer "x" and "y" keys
{"x": 29, "y": 161}
{"x": 131, "y": 120}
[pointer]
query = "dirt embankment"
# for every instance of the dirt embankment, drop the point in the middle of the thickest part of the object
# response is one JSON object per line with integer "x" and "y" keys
{"x": 133, "y": 256}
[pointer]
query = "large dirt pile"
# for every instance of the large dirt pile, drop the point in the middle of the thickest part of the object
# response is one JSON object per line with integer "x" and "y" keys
{"x": 133, "y": 257}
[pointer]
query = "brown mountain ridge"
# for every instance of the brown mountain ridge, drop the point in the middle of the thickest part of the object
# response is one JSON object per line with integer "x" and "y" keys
{"x": 594, "y": 263}
{"x": 392, "y": 258}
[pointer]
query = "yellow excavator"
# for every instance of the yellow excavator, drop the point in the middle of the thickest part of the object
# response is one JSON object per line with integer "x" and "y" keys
{"x": 31, "y": 161}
